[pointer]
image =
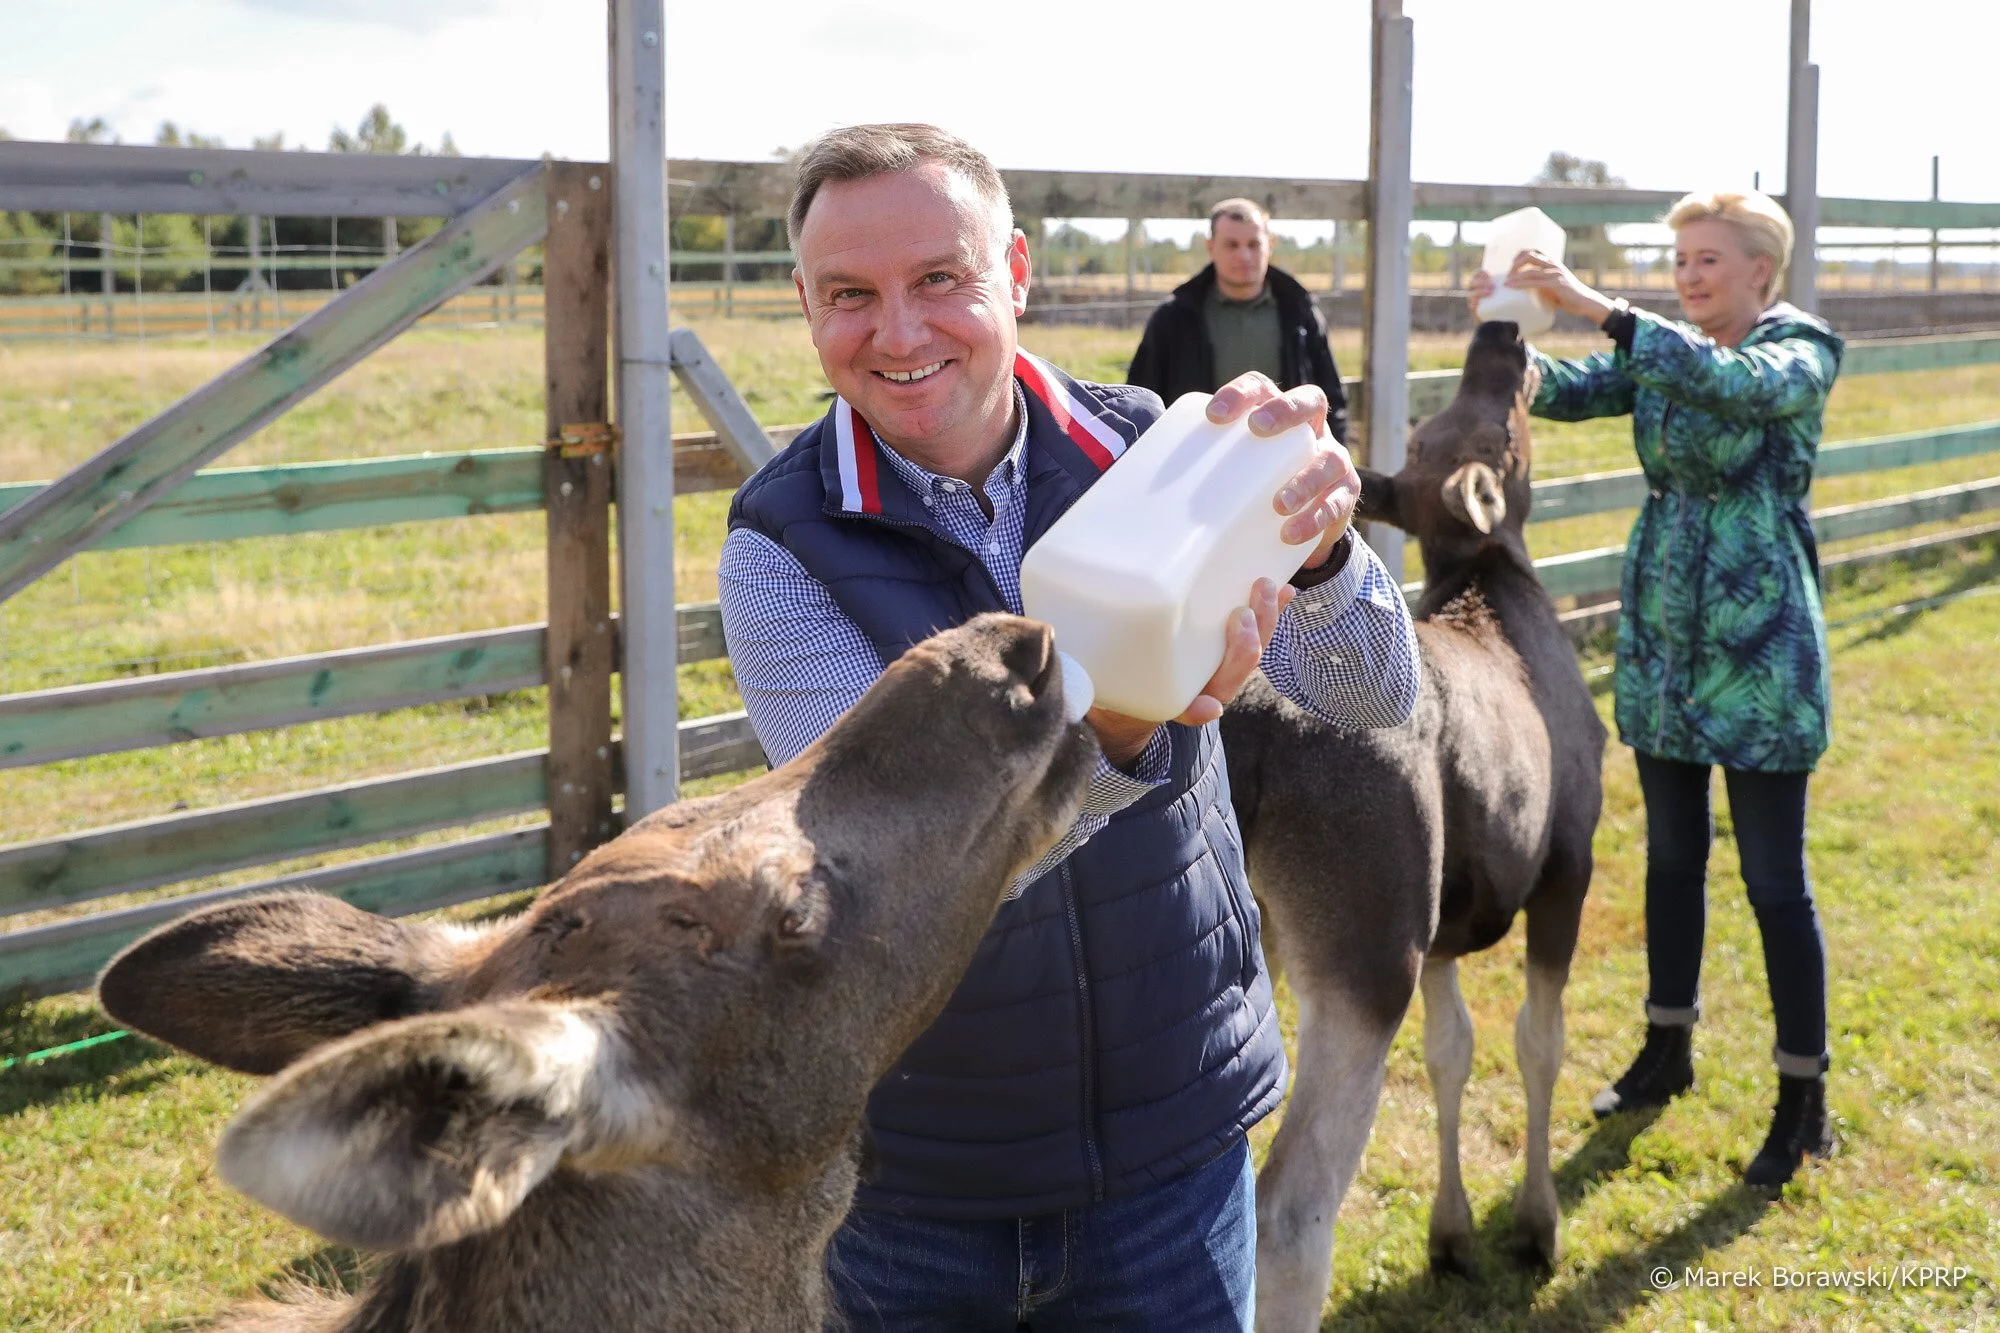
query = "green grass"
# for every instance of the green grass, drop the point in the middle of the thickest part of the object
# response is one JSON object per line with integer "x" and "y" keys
{"x": 113, "y": 1218}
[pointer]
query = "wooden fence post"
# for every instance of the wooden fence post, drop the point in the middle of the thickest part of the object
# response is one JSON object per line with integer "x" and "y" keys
{"x": 577, "y": 479}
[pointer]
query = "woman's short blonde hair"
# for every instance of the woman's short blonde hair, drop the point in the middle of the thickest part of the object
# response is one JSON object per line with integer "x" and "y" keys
{"x": 1758, "y": 219}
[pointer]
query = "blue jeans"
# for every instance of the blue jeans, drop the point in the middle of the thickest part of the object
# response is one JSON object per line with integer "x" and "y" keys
{"x": 1769, "y": 813}
{"x": 1180, "y": 1256}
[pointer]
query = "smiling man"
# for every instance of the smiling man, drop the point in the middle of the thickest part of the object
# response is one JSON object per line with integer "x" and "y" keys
{"x": 1064, "y": 1147}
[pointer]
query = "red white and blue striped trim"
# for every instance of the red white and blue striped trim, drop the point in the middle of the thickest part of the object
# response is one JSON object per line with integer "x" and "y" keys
{"x": 1072, "y": 410}
{"x": 855, "y": 441}
{"x": 854, "y": 445}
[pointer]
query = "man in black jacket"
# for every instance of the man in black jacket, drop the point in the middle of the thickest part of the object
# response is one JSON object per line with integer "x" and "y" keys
{"x": 1238, "y": 314}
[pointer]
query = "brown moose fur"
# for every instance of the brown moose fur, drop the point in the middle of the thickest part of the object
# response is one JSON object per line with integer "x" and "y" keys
{"x": 638, "y": 1105}
{"x": 1382, "y": 856}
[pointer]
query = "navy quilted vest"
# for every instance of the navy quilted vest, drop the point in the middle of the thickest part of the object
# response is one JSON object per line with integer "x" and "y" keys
{"x": 1116, "y": 1027}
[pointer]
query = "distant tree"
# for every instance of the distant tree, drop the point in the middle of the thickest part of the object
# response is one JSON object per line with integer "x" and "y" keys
{"x": 1589, "y": 244}
{"x": 269, "y": 143}
{"x": 170, "y": 135}
{"x": 377, "y": 133}
{"x": 94, "y": 130}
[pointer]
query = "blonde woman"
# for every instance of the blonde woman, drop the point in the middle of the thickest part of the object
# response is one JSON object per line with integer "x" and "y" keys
{"x": 1721, "y": 642}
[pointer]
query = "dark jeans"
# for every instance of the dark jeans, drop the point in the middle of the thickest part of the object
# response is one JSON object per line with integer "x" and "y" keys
{"x": 1182, "y": 1255}
{"x": 1769, "y": 814}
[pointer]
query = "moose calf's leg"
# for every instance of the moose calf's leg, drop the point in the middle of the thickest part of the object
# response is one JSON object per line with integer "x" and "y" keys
{"x": 1538, "y": 1045}
{"x": 1343, "y": 1052}
{"x": 1448, "y": 1059}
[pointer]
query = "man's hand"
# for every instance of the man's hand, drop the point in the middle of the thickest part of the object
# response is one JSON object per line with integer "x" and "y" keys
{"x": 1318, "y": 503}
{"x": 1244, "y": 641}
{"x": 1319, "y": 500}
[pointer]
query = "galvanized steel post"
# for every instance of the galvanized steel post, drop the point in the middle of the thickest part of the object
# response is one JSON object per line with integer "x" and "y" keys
{"x": 1802, "y": 164}
{"x": 645, "y": 382}
{"x": 1385, "y": 317}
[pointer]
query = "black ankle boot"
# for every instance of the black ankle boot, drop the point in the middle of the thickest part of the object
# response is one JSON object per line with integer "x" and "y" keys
{"x": 1662, "y": 1071}
{"x": 1798, "y": 1130}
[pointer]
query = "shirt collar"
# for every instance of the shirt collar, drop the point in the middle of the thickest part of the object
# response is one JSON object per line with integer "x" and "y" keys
{"x": 1008, "y": 471}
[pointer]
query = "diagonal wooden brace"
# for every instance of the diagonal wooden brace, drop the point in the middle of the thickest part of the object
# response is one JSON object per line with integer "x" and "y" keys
{"x": 147, "y": 464}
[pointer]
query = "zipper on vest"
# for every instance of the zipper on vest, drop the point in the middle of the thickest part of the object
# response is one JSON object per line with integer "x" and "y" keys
{"x": 1087, "y": 1061}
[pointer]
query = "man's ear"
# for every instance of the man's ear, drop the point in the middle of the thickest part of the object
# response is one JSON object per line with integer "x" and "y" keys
{"x": 254, "y": 984}
{"x": 1020, "y": 269}
{"x": 1378, "y": 501}
{"x": 424, "y": 1132}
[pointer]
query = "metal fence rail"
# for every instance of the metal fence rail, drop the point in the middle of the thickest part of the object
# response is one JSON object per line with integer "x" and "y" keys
{"x": 223, "y": 504}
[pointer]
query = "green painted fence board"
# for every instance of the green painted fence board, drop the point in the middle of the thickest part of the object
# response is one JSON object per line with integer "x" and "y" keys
{"x": 1893, "y": 451}
{"x": 151, "y": 461}
{"x": 1906, "y": 213}
{"x": 1596, "y": 493}
{"x": 1907, "y": 511}
{"x": 147, "y": 853}
{"x": 43, "y": 726}
{"x": 66, "y": 955}
{"x": 1602, "y": 492}
{"x": 711, "y": 746}
{"x": 700, "y": 627}
{"x": 77, "y": 720}
{"x": 1587, "y": 573}
{"x": 1886, "y": 356}
{"x": 226, "y": 503}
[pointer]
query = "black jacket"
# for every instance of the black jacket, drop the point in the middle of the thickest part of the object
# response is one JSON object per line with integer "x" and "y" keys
{"x": 1175, "y": 356}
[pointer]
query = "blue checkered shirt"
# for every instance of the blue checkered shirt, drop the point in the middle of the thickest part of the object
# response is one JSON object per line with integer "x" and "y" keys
{"x": 1344, "y": 650}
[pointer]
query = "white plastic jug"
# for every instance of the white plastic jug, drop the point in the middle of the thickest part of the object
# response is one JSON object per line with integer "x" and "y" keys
{"x": 1522, "y": 229}
{"x": 1139, "y": 577}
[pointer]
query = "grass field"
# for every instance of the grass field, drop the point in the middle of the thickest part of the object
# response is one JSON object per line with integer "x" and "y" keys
{"x": 111, "y": 1218}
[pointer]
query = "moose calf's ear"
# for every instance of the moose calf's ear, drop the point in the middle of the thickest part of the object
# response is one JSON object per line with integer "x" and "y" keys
{"x": 424, "y": 1132}
{"x": 254, "y": 984}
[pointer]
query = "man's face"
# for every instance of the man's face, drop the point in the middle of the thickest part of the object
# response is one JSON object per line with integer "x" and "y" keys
{"x": 1241, "y": 253}
{"x": 911, "y": 297}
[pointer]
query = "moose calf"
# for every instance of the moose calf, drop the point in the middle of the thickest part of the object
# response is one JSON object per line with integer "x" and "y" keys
{"x": 1383, "y": 856}
{"x": 638, "y": 1105}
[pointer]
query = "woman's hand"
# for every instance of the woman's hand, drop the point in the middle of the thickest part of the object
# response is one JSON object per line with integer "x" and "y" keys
{"x": 1537, "y": 273}
{"x": 1477, "y": 291}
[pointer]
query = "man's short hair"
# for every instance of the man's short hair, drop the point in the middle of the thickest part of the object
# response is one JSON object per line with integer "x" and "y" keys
{"x": 1239, "y": 210}
{"x": 856, "y": 152}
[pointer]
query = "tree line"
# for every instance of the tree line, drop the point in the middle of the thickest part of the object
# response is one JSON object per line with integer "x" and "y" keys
{"x": 39, "y": 252}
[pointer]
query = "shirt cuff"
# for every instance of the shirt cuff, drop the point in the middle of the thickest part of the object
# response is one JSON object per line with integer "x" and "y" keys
{"x": 1112, "y": 789}
{"x": 1317, "y": 607}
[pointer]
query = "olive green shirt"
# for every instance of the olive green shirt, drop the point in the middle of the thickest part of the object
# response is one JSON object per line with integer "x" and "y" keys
{"x": 1244, "y": 334}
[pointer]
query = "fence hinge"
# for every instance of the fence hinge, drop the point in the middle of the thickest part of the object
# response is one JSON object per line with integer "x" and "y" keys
{"x": 579, "y": 439}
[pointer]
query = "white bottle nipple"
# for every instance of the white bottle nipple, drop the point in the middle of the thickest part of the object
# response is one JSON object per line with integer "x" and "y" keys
{"x": 1078, "y": 692}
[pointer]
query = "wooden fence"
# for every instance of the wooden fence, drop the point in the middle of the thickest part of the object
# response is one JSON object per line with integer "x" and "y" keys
{"x": 223, "y": 504}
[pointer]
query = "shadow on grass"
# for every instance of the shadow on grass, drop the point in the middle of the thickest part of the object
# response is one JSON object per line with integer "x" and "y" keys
{"x": 1504, "y": 1293}
{"x": 26, "y": 1028}
{"x": 330, "y": 1270}
{"x": 1971, "y": 576}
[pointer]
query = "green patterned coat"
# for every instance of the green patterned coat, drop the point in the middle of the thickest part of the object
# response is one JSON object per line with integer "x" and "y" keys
{"x": 1721, "y": 641}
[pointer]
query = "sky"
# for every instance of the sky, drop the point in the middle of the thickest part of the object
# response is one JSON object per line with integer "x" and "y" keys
{"x": 1670, "y": 95}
